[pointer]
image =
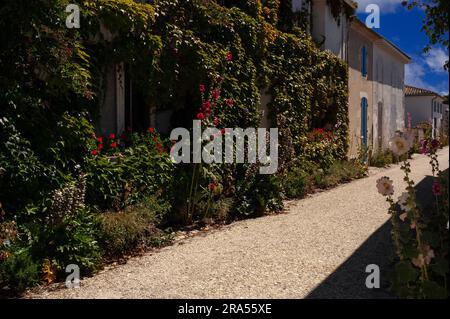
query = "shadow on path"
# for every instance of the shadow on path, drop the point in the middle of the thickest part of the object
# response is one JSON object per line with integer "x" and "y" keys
{"x": 348, "y": 280}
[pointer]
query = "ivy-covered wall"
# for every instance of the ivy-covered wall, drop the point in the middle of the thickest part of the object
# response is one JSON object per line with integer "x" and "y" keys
{"x": 188, "y": 40}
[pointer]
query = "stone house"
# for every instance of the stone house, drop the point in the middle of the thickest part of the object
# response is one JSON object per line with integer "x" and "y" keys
{"x": 425, "y": 106}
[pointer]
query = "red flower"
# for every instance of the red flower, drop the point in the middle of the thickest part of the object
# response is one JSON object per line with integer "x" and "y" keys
{"x": 155, "y": 139}
{"x": 206, "y": 106}
{"x": 216, "y": 94}
{"x": 216, "y": 121}
{"x": 202, "y": 88}
{"x": 229, "y": 57}
{"x": 222, "y": 131}
{"x": 112, "y": 136}
{"x": 100, "y": 139}
{"x": 159, "y": 148}
{"x": 113, "y": 145}
{"x": 200, "y": 116}
{"x": 151, "y": 130}
{"x": 229, "y": 102}
{"x": 100, "y": 147}
{"x": 94, "y": 152}
{"x": 212, "y": 186}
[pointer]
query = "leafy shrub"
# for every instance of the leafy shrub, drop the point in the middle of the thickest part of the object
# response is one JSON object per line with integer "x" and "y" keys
{"x": 341, "y": 172}
{"x": 19, "y": 271}
{"x": 297, "y": 183}
{"x": 123, "y": 232}
{"x": 120, "y": 177}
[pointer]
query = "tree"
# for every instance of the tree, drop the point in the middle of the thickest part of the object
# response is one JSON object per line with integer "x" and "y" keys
{"x": 435, "y": 22}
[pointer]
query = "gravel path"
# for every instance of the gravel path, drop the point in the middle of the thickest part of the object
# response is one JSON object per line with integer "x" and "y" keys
{"x": 320, "y": 248}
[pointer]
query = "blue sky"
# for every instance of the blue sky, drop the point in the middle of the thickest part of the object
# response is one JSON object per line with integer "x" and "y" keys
{"x": 403, "y": 28}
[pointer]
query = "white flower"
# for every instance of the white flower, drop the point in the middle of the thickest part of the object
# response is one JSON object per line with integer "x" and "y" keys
{"x": 385, "y": 186}
{"x": 403, "y": 201}
{"x": 403, "y": 216}
{"x": 399, "y": 145}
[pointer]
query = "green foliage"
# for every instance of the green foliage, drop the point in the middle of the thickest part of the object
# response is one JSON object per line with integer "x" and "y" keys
{"x": 297, "y": 183}
{"x": 420, "y": 236}
{"x": 19, "y": 271}
{"x": 123, "y": 232}
{"x": 123, "y": 178}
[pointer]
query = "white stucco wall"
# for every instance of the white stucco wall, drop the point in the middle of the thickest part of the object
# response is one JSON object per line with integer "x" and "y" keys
{"x": 388, "y": 83}
{"x": 325, "y": 25}
{"x": 420, "y": 109}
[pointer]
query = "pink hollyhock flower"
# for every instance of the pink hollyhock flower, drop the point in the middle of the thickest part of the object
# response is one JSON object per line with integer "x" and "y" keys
{"x": 216, "y": 121}
{"x": 434, "y": 144}
{"x": 200, "y": 116}
{"x": 206, "y": 106}
{"x": 403, "y": 216}
{"x": 419, "y": 261}
{"x": 428, "y": 254}
{"x": 436, "y": 188}
{"x": 385, "y": 186}
{"x": 202, "y": 88}
{"x": 424, "y": 147}
{"x": 112, "y": 136}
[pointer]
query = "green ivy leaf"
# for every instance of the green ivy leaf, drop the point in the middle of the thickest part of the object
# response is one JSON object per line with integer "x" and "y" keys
{"x": 433, "y": 290}
{"x": 405, "y": 272}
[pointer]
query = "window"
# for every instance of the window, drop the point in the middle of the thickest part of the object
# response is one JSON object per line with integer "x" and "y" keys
{"x": 364, "y": 61}
{"x": 440, "y": 108}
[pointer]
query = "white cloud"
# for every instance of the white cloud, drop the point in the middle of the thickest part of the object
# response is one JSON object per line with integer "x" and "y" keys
{"x": 415, "y": 72}
{"x": 435, "y": 59}
{"x": 386, "y": 6}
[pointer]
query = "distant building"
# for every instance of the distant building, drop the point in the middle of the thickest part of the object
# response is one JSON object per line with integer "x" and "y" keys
{"x": 424, "y": 105}
{"x": 376, "y": 80}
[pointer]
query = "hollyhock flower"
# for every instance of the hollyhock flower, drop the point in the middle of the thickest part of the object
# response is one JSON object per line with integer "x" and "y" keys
{"x": 229, "y": 57}
{"x": 113, "y": 145}
{"x": 435, "y": 144}
{"x": 216, "y": 121}
{"x": 222, "y": 131}
{"x": 428, "y": 254}
{"x": 419, "y": 261}
{"x": 424, "y": 147}
{"x": 100, "y": 139}
{"x": 202, "y": 88}
{"x": 436, "y": 188}
{"x": 216, "y": 94}
{"x": 385, "y": 186}
{"x": 403, "y": 216}
{"x": 94, "y": 152}
{"x": 399, "y": 145}
{"x": 403, "y": 200}
{"x": 151, "y": 130}
{"x": 112, "y": 136}
{"x": 229, "y": 102}
{"x": 100, "y": 147}
{"x": 206, "y": 106}
{"x": 200, "y": 116}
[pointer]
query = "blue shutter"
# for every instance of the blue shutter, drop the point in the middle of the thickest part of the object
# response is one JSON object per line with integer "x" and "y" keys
{"x": 364, "y": 106}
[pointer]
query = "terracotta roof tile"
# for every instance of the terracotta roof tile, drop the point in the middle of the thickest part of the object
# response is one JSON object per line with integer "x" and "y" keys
{"x": 414, "y": 91}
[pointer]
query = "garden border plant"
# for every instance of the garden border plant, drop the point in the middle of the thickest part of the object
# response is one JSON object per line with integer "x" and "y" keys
{"x": 52, "y": 86}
